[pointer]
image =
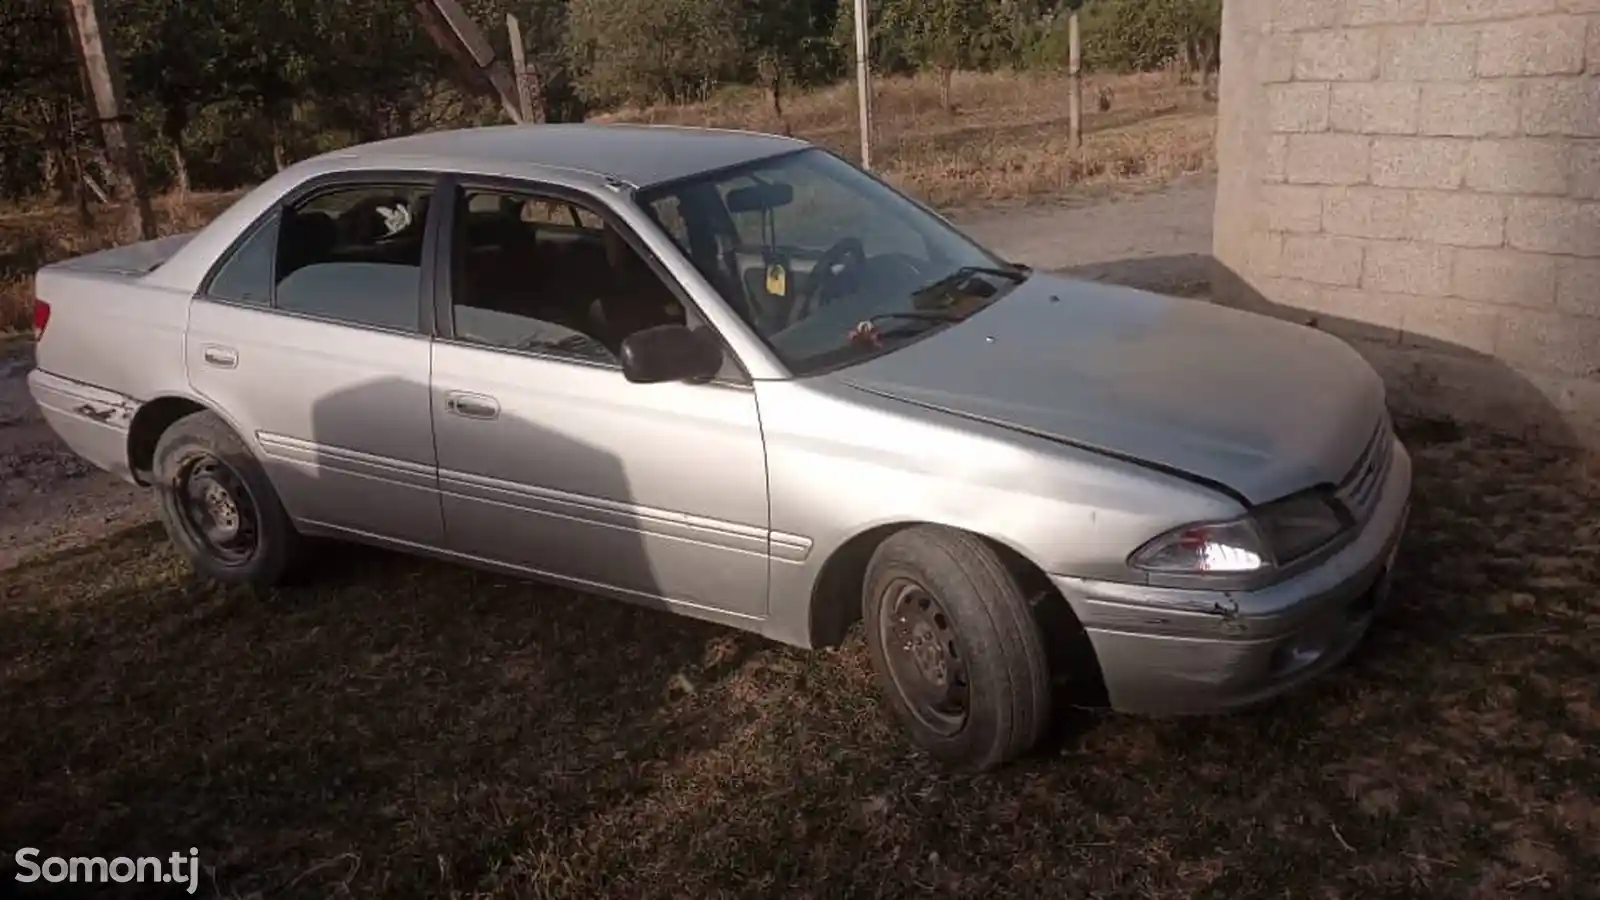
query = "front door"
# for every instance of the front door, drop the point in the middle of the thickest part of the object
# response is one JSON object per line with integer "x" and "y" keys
{"x": 308, "y": 338}
{"x": 551, "y": 461}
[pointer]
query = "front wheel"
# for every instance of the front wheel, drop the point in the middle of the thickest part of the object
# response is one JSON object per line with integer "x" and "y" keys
{"x": 218, "y": 505}
{"x": 956, "y": 648}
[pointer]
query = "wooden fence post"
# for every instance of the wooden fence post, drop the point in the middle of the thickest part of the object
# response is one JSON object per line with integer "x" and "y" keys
{"x": 122, "y": 144}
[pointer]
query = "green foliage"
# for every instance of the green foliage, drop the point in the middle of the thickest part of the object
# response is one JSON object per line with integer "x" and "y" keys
{"x": 646, "y": 51}
{"x": 225, "y": 91}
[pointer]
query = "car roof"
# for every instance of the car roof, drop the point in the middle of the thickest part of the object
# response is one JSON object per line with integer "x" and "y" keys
{"x": 637, "y": 155}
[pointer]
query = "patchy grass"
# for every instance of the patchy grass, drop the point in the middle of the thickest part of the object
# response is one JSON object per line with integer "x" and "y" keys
{"x": 403, "y": 728}
{"x": 30, "y": 238}
{"x": 1005, "y": 140}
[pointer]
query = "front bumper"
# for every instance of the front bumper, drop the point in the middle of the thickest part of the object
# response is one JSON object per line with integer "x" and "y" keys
{"x": 1166, "y": 651}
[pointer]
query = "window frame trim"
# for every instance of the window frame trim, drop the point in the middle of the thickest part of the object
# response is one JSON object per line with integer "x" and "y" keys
{"x": 310, "y": 189}
{"x": 456, "y": 186}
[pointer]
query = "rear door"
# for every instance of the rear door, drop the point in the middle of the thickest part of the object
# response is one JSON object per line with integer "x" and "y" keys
{"x": 310, "y": 337}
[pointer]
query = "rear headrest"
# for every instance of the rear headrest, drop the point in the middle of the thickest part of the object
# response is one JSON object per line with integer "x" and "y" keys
{"x": 305, "y": 235}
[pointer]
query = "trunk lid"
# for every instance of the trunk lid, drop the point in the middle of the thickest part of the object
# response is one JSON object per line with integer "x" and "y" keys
{"x": 130, "y": 260}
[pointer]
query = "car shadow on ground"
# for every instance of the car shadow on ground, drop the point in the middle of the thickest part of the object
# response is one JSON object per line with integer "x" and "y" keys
{"x": 399, "y": 727}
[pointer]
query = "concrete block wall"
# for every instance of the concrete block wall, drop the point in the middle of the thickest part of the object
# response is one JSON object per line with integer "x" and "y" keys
{"x": 1422, "y": 177}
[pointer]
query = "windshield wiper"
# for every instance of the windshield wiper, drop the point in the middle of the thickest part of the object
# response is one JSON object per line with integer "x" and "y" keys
{"x": 919, "y": 315}
{"x": 1016, "y": 275}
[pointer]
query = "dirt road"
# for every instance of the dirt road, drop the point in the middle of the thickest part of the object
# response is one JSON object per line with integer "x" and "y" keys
{"x": 1159, "y": 240}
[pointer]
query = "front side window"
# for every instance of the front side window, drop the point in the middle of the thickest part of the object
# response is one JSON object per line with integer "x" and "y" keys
{"x": 349, "y": 254}
{"x": 545, "y": 275}
{"x": 828, "y": 265}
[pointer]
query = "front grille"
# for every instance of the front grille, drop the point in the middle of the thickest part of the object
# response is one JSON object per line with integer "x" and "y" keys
{"x": 1361, "y": 488}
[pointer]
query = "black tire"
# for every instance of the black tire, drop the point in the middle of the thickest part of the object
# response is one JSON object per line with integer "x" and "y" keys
{"x": 200, "y": 452}
{"x": 988, "y": 638}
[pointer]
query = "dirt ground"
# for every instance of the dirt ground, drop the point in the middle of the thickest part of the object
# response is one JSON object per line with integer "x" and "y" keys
{"x": 402, "y": 728}
{"x": 1159, "y": 239}
{"x": 49, "y": 499}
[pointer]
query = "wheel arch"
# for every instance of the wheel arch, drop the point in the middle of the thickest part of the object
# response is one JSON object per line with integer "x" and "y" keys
{"x": 152, "y": 420}
{"x": 836, "y": 606}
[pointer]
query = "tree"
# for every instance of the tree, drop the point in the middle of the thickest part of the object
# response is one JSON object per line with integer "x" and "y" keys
{"x": 174, "y": 59}
{"x": 789, "y": 42}
{"x": 645, "y": 51}
{"x": 942, "y": 35}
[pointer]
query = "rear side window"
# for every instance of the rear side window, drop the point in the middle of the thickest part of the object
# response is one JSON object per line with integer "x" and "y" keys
{"x": 350, "y": 254}
{"x": 246, "y": 276}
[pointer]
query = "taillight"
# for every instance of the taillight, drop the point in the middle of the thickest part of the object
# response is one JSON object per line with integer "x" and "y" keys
{"x": 41, "y": 318}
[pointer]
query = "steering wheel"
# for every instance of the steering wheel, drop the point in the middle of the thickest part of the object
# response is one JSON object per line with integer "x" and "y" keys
{"x": 846, "y": 254}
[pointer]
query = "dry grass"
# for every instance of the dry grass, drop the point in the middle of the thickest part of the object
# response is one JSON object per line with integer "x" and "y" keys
{"x": 1006, "y": 139}
{"x": 30, "y": 238}
{"x": 406, "y": 729}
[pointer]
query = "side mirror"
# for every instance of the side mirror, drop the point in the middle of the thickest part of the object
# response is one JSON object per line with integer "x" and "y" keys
{"x": 670, "y": 353}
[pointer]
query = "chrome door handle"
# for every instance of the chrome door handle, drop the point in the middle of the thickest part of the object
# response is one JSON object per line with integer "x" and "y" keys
{"x": 472, "y": 406}
{"x": 221, "y": 357}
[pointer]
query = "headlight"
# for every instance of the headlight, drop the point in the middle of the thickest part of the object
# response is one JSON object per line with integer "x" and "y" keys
{"x": 1273, "y": 535}
{"x": 1298, "y": 525}
{"x": 1205, "y": 547}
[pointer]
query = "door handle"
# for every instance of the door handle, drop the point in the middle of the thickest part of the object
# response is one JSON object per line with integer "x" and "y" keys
{"x": 472, "y": 406}
{"x": 221, "y": 357}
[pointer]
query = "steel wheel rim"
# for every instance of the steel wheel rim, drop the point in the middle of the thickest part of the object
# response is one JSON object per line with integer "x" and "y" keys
{"x": 924, "y": 657}
{"x": 217, "y": 509}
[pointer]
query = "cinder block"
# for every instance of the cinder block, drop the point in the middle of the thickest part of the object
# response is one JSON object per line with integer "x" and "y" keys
{"x": 1277, "y": 57}
{"x": 1300, "y": 15}
{"x": 1450, "y": 321}
{"x": 1297, "y": 107}
{"x": 1402, "y": 267}
{"x": 1578, "y": 287}
{"x": 1341, "y": 55}
{"x": 1569, "y": 106}
{"x": 1548, "y": 46}
{"x": 1518, "y": 167}
{"x": 1364, "y": 212}
{"x": 1323, "y": 259}
{"x": 1358, "y": 315}
{"x": 1475, "y": 10}
{"x": 1264, "y": 253}
{"x": 1376, "y": 108}
{"x": 1550, "y": 342}
{"x": 1293, "y": 208}
{"x": 1429, "y": 53}
{"x": 1337, "y": 159}
{"x": 1459, "y": 219}
{"x": 1584, "y": 169}
{"x": 1471, "y": 109}
{"x": 1277, "y": 159}
{"x": 1552, "y": 225}
{"x": 1436, "y": 163}
{"x": 1387, "y": 12}
{"x": 1506, "y": 277}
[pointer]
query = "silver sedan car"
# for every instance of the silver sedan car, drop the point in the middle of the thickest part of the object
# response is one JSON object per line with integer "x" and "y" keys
{"x": 735, "y": 377}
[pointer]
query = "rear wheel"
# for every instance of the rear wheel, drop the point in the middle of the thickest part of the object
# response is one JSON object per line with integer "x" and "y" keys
{"x": 218, "y": 505}
{"x": 955, "y": 646}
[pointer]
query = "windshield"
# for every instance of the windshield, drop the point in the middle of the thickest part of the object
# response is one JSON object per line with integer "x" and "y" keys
{"x": 827, "y": 264}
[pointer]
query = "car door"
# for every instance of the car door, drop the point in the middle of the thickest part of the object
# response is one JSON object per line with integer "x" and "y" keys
{"x": 310, "y": 337}
{"x": 551, "y": 461}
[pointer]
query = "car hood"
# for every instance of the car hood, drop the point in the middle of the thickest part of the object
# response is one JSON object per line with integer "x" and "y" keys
{"x": 1259, "y": 406}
